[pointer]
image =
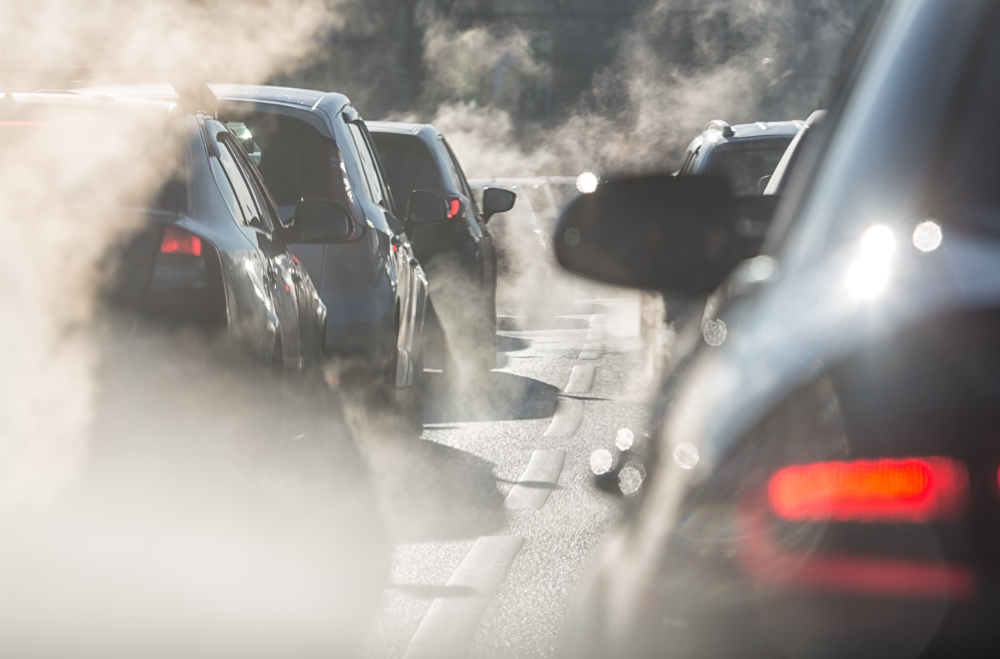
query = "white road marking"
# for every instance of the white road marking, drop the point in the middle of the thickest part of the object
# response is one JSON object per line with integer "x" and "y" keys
{"x": 449, "y": 627}
{"x": 581, "y": 379}
{"x": 568, "y": 416}
{"x": 532, "y": 490}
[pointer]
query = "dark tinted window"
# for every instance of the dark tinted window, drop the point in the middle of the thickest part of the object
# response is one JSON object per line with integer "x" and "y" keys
{"x": 368, "y": 166}
{"x": 459, "y": 174}
{"x": 245, "y": 202}
{"x": 744, "y": 165}
{"x": 294, "y": 159}
{"x": 409, "y": 165}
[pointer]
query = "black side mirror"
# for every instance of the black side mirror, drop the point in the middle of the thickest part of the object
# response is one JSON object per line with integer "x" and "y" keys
{"x": 674, "y": 234}
{"x": 497, "y": 200}
{"x": 423, "y": 208}
{"x": 322, "y": 221}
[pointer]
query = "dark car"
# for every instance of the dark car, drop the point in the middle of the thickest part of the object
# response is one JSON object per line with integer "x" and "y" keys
{"x": 314, "y": 145}
{"x": 460, "y": 256}
{"x": 742, "y": 154}
{"x": 825, "y": 478}
{"x": 212, "y": 253}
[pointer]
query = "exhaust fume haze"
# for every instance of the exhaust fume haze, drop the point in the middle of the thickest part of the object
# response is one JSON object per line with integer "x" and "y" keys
{"x": 135, "y": 515}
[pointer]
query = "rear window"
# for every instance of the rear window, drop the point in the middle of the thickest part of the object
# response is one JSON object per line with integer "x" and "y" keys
{"x": 294, "y": 159}
{"x": 409, "y": 165}
{"x": 743, "y": 165}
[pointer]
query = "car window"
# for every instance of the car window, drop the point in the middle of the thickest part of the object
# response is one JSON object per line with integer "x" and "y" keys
{"x": 293, "y": 158}
{"x": 372, "y": 179}
{"x": 409, "y": 165}
{"x": 255, "y": 184}
{"x": 244, "y": 197}
{"x": 459, "y": 175}
{"x": 744, "y": 166}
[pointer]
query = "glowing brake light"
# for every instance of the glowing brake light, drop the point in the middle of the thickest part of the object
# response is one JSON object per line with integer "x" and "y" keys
{"x": 454, "y": 208}
{"x": 906, "y": 490}
{"x": 179, "y": 241}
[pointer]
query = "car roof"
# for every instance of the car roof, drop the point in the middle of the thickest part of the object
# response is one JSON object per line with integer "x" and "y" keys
{"x": 719, "y": 132}
{"x": 305, "y": 99}
{"x": 399, "y": 127}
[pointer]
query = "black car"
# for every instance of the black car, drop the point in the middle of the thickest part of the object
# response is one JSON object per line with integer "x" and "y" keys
{"x": 742, "y": 154}
{"x": 212, "y": 253}
{"x": 460, "y": 256}
{"x": 824, "y": 481}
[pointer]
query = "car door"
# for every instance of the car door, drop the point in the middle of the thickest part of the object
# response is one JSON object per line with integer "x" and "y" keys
{"x": 277, "y": 271}
{"x": 311, "y": 310}
{"x": 412, "y": 285}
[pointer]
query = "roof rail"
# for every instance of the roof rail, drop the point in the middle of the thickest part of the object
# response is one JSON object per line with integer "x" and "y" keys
{"x": 720, "y": 125}
{"x": 193, "y": 94}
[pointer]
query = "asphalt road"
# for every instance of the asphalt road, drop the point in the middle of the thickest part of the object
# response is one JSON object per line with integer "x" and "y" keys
{"x": 492, "y": 512}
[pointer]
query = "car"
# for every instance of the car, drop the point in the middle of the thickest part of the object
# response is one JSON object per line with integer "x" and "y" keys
{"x": 742, "y": 154}
{"x": 460, "y": 257}
{"x": 213, "y": 254}
{"x": 314, "y": 145}
{"x": 746, "y": 156}
{"x": 824, "y": 478}
{"x": 775, "y": 182}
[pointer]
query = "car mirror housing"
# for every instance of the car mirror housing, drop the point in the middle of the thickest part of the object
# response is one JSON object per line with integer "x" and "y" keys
{"x": 675, "y": 234}
{"x": 322, "y": 221}
{"x": 497, "y": 200}
{"x": 424, "y": 208}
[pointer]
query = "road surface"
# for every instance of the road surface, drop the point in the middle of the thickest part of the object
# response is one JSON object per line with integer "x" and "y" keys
{"x": 491, "y": 510}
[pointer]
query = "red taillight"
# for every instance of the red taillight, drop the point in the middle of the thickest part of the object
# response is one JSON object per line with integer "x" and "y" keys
{"x": 179, "y": 241}
{"x": 908, "y": 490}
{"x": 454, "y": 208}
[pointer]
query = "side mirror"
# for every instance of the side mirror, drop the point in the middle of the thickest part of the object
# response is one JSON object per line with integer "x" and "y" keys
{"x": 497, "y": 200}
{"x": 320, "y": 221}
{"x": 424, "y": 208}
{"x": 663, "y": 233}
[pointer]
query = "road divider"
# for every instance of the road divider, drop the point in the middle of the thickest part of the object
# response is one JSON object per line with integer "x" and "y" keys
{"x": 538, "y": 480}
{"x": 449, "y": 627}
{"x": 568, "y": 416}
{"x": 581, "y": 379}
